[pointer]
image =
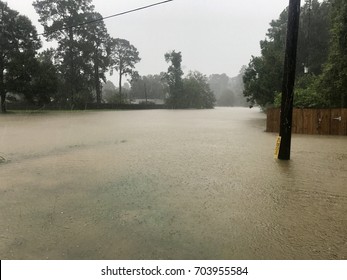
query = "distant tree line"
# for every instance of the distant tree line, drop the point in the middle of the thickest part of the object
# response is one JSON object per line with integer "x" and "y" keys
{"x": 228, "y": 91}
{"x": 321, "y": 76}
{"x": 178, "y": 92}
{"x": 74, "y": 73}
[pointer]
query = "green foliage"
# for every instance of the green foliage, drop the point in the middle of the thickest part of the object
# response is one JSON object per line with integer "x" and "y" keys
{"x": 96, "y": 50}
{"x": 314, "y": 37}
{"x": 264, "y": 74}
{"x": 191, "y": 92}
{"x": 262, "y": 80}
{"x": 124, "y": 56}
{"x": 43, "y": 84}
{"x": 82, "y": 52}
{"x": 197, "y": 92}
{"x": 306, "y": 94}
{"x": 56, "y": 15}
{"x": 150, "y": 86}
{"x": 18, "y": 46}
{"x": 333, "y": 82}
{"x": 174, "y": 79}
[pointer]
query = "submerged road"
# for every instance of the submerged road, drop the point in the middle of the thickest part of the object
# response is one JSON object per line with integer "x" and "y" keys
{"x": 164, "y": 184}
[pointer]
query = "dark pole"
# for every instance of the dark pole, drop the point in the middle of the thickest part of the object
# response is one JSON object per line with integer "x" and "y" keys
{"x": 2, "y": 64}
{"x": 72, "y": 68}
{"x": 289, "y": 79}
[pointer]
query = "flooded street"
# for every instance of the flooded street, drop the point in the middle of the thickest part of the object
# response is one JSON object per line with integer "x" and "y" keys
{"x": 164, "y": 184}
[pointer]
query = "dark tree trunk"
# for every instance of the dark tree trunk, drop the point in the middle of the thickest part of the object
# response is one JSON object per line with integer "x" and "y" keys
{"x": 97, "y": 80}
{"x": 72, "y": 70}
{"x": 3, "y": 102}
{"x": 120, "y": 86}
{"x": 2, "y": 90}
{"x": 146, "y": 93}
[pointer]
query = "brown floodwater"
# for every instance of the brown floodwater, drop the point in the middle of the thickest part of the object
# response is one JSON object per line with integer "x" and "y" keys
{"x": 165, "y": 184}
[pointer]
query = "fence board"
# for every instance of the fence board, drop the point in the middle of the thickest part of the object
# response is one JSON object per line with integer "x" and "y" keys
{"x": 272, "y": 120}
{"x": 311, "y": 121}
{"x": 323, "y": 121}
{"x": 344, "y": 122}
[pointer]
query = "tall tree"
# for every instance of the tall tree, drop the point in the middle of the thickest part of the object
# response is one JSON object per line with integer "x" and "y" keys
{"x": 123, "y": 58}
{"x": 174, "y": 79}
{"x": 59, "y": 18}
{"x": 95, "y": 43}
{"x": 314, "y": 37}
{"x": 263, "y": 76}
{"x": 18, "y": 45}
{"x": 333, "y": 82}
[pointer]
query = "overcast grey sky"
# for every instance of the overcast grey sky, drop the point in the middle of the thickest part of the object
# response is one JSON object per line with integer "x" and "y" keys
{"x": 214, "y": 36}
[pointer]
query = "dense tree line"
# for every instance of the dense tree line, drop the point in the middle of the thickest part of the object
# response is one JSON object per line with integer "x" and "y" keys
{"x": 85, "y": 51}
{"x": 73, "y": 72}
{"x": 149, "y": 87}
{"x": 19, "y": 44}
{"x": 321, "y": 79}
{"x": 333, "y": 81}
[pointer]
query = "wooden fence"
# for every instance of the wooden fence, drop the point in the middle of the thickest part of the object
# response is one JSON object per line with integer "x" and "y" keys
{"x": 311, "y": 121}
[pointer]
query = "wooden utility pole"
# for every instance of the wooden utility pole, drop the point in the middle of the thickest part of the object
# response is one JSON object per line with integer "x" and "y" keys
{"x": 289, "y": 79}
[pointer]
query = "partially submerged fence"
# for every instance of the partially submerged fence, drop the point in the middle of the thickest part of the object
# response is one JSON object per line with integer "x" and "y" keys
{"x": 311, "y": 121}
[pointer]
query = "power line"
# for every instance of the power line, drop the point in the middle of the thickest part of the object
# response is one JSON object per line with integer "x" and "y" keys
{"x": 103, "y": 18}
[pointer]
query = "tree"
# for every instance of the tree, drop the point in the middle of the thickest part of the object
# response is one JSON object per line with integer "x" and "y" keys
{"x": 123, "y": 58}
{"x": 263, "y": 76}
{"x": 314, "y": 37}
{"x": 197, "y": 92}
{"x": 148, "y": 87}
{"x": 60, "y": 19}
{"x": 262, "y": 80}
{"x": 95, "y": 43}
{"x": 333, "y": 82}
{"x": 306, "y": 94}
{"x": 174, "y": 80}
{"x": 39, "y": 79}
{"x": 45, "y": 81}
{"x": 18, "y": 45}
{"x": 109, "y": 92}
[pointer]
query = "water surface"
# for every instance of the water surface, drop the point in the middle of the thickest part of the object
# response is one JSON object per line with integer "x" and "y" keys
{"x": 164, "y": 184}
